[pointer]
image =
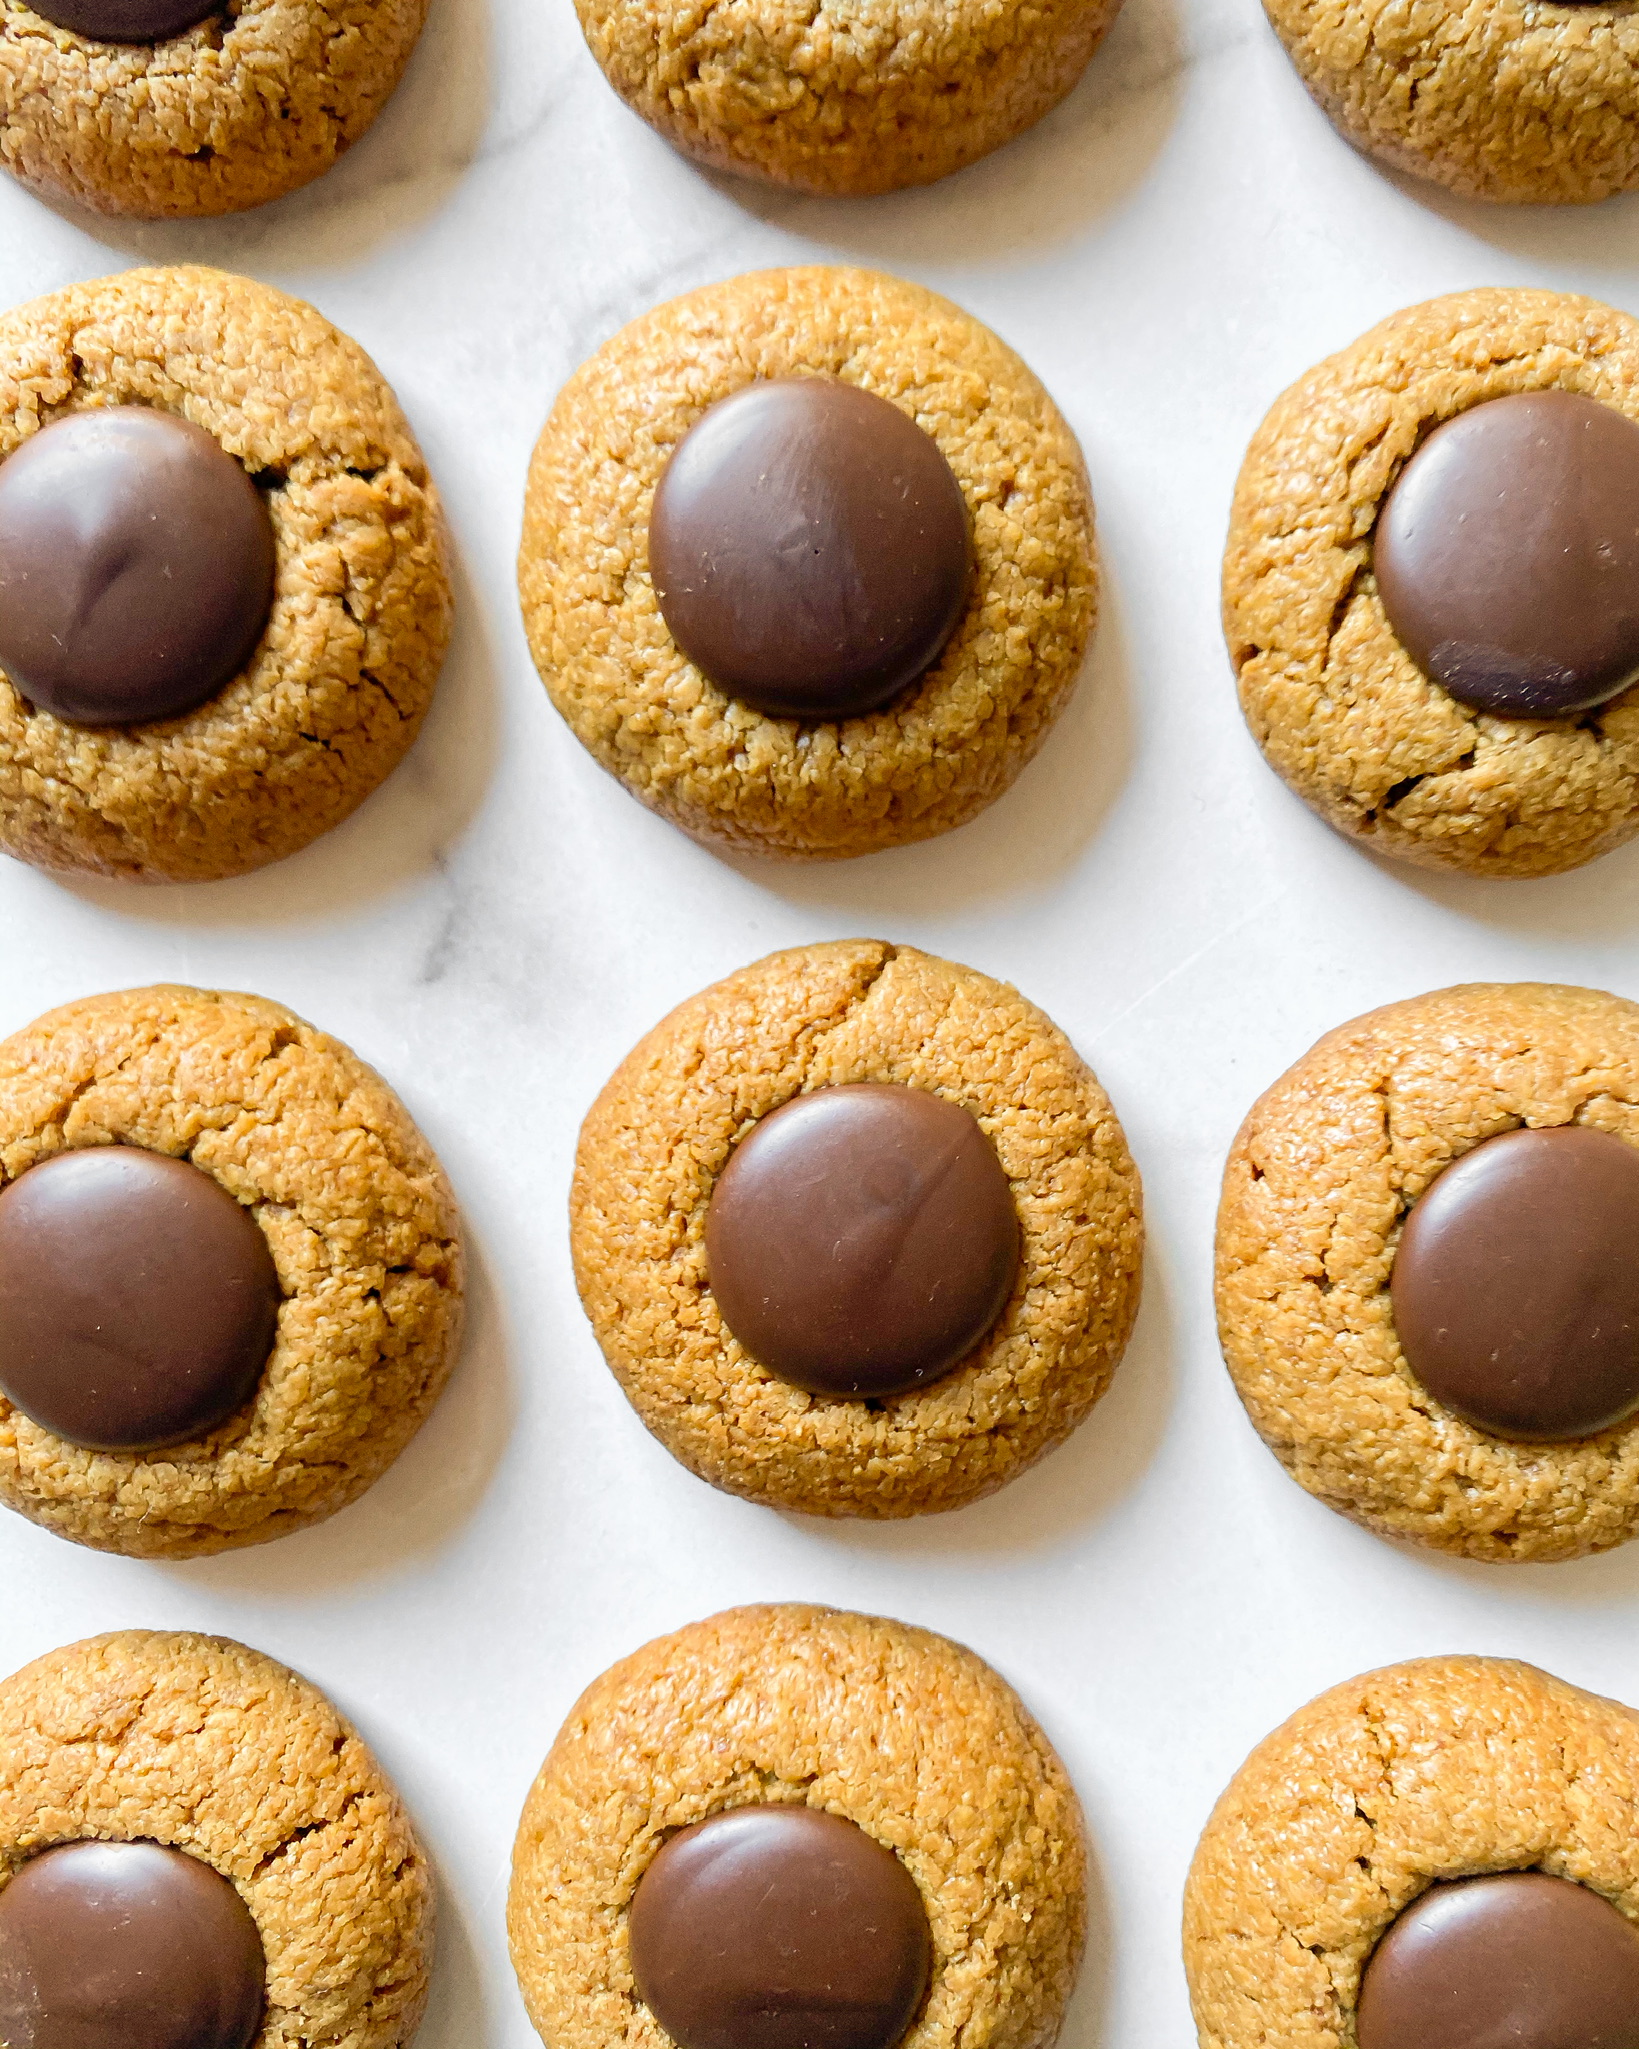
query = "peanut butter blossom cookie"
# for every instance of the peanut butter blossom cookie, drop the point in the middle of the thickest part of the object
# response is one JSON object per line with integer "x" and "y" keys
{"x": 836, "y": 99}
{"x": 230, "y": 1276}
{"x": 808, "y": 562}
{"x": 224, "y": 598}
{"x": 1428, "y": 1270}
{"x": 162, "y": 109}
{"x": 790, "y": 1826}
{"x": 858, "y": 1232}
{"x": 199, "y": 1853}
{"x": 1439, "y": 1853}
{"x": 1431, "y": 588}
{"x": 1515, "y": 100}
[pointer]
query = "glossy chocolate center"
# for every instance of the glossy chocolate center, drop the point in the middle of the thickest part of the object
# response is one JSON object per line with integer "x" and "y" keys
{"x": 862, "y": 1240}
{"x": 1516, "y": 1285}
{"x": 1518, "y": 1961}
{"x": 138, "y": 1300}
{"x": 126, "y": 1946}
{"x": 1507, "y": 555}
{"x": 136, "y": 567}
{"x": 809, "y": 548}
{"x": 124, "y": 21}
{"x": 779, "y": 1928}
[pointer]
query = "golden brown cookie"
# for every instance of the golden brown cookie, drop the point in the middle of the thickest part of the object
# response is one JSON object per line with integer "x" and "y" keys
{"x": 655, "y": 1147}
{"x": 1318, "y": 1186}
{"x": 204, "y": 1746}
{"x": 246, "y": 104}
{"x": 344, "y": 671}
{"x": 858, "y": 100}
{"x": 1337, "y": 704}
{"x": 907, "y": 1735}
{"x": 355, "y": 1210}
{"x": 1523, "y": 100}
{"x": 1441, "y": 1768}
{"x": 955, "y": 740}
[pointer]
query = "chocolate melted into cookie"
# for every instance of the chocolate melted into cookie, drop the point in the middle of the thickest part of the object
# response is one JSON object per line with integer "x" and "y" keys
{"x": 1516, "y": 1285}
{"x": 124, "y": 21}
{"x": 779, "y": 1928}
{"x": 862, "y": 1240}
{"x": 1507, "y": 555}
{"x": 138, "y": 1300}
{"x": 1517, "y": 1961}
{"x": 809, "y": 548}
{"x": 126, "y": 1946}
{"x": 136, "y": 567}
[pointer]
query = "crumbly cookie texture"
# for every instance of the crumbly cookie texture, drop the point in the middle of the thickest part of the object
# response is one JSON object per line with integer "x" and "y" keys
{"x": 835, "y": 99}
{"x": 209, "y": 1748}
{"x": 1315, "y": 1195}
{"x": 1337, "y": 705}
{"x": 1436, "y": 1769}
{"x": 339, "y": 683}
{"x": 661, "y": 1132}
{"x": 1497, "y": 99}
{"x": 358, "y": 1216}
{"x": 904, "y": 1733}
{"x": 954, "y": 741}
{"x": 258, "y": 99}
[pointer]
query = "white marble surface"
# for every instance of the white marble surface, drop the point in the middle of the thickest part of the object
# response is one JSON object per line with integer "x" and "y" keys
{"x": 497, "y": 925}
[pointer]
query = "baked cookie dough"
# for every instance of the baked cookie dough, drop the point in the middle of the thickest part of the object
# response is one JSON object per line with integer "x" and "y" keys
{"x": 1521, "y": 100}
{"x": 774, "y": 1717}
{"x": 890, "y": 1410}
{"x": 167, "y": 109}
{"x": 169, "y": 1800}
{"x": 1495, "y": 1119}
{"x": 342, "y": 671}
{"x": 802, "y": 784}
{"x": 273, "y": 1118}
{"x": 1439, "y": 1770}
{"x": 1333, "y": 694}
{"x": 843, "y": 100}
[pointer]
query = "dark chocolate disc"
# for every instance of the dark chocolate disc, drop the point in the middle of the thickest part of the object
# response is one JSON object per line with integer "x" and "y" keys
{"x": 126, "y": 1946}
{"x": 779, "y": 1928}
{"x": 1507, "y": 555}
{"x": 124, "y": 21}
{"x": 862, "y": 1240}
{"x": 809, "y": 548}
{"x": 136, "y": 567}
{"x": 138, "y": 1300}
{"x": 1515, "y": 1961}
{"x": 1516, "y": 1285}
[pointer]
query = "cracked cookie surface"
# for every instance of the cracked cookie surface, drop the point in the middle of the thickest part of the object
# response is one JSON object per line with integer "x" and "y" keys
{"x": 1317, "y": 1187}
{"x": 661, "y": 1132}
{"x": 947, "y": 746}
{"x": 1436, "y": 1769}
{"x": 908, "y": 1735}
{"x": 259, "y": 98}
{"x": 337, "y": 687}
{"x": 833, "y": 99}
{"x": 1337, "y": 705}
{"x": 207, "y": 1747}
{"x": 356, "y": 1212}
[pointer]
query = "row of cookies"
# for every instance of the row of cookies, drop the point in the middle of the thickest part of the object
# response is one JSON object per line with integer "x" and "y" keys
{"x": 807, "y": 562}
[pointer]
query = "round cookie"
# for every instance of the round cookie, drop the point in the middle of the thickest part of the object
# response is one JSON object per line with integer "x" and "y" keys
{"x": 202, "y": 1745}
{"x": 654, "y": 1149}
{"x": 1334, "y": 699}
{"x": 354, "y": 1209}
{"x": 1439, "y": 1769}
{"x": 337, "y": 685}
{"x": 206, "y": 116}
{"x": 1316, "y": 1193}
{"x": 1529, "y": 100}
{"x": 861, "y": 100}
{"x": 906, "y": 1735}
{"x": 723, "y": 771}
